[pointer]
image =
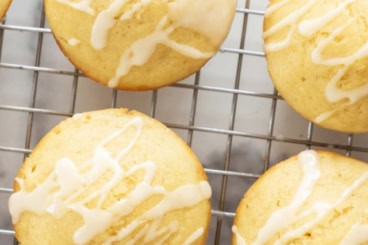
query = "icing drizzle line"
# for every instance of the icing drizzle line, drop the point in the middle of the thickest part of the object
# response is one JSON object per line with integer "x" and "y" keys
{"x": 357, "y": 235}
{"x": 66, "y": 189}
{"x": 308, "y": 28}
{"x": 288, "y": 215}
{"x": 182, "y": 13}
{"x": 239, "y": 238}
{"x": 140, "y": 51}
{"x": 73, "y": 42}
{"x": 82, "y": 5}
{"x": 192, "y": 238}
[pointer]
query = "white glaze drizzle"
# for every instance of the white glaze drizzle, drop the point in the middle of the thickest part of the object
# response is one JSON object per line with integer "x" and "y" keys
{"x": 281, "y": 44}
{"x": 182, "y": 197}
{"x": 308, "y": 28}
{"x": 321, "y": 209}
{"x": 153, "y": 233}
{"x": 194, "y": 237}
{"x": 170, "y": 230}
{"x": 285, "y": 216}
{"x": 81, "y": 5}
{"x": 274, "y": 7}
{"x": 239, "y": 239}
{"x": 140, "y": 51}
{"x": 150, "y": 232}
{"x": 333, "y": 93}
{"x": 77, "y": 116}
{"x": 289, "y": 20}
{"x": 135, "y": 8}
{"x": 357, "y": 235}
{"x": 317, "y": 52}
{"x": 73, "y": 42}
{"x": 324, "y": 116}
{"x": 182, "y": 13}
{"x": 104, "y": 22}
{"x": 65, "y": 189}
{"x": 141, "y": 233}
{"x": 288, "y": 215}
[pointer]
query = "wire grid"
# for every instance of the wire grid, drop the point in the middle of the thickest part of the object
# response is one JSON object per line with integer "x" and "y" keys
{"x": 220, "y": 233}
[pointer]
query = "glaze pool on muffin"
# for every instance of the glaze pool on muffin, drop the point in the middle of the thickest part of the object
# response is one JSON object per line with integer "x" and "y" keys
{"x": 313, "y": 198}
{"x": 139, "y": 44}
{"x": 111, "y": 177}
{"x": 317, "y": 53}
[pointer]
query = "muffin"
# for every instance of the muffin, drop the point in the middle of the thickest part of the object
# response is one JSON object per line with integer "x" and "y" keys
{"x": 111, "y": 177}
{"x": 139, "y": 44}
{"x": 4, "y": 5}
{"x": 313, "y": 198}
{"x": 317, "y": 58}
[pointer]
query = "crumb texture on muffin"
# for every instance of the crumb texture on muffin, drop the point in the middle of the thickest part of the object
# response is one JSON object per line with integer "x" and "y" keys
{"x": 139, "y": 44}
{"x": 317, "y": 53}
{"x": 111, "y": 177}
{"x": 312, "y": 198}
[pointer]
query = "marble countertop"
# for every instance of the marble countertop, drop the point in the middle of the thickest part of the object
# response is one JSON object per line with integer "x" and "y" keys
{"x": 248, "y": 148}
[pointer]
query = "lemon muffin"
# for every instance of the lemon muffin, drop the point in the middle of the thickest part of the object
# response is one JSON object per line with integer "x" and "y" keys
{"x": 139, "y": 44}
{"x": 4, "y": 5}
{"x": 317, "y": 53}
{"x": 111, "y": 177}
{"x": 313, "y": 198}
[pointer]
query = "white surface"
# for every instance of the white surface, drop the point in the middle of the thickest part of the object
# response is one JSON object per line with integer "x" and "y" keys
{"x": 173, "y": 106}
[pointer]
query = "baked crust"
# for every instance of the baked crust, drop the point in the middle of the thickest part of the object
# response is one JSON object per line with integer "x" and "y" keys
{"x": 275, "y": 190}
{"x": 164, "y": 66}
{"x": 76, "y": 138}
{"x": 306, "y": 67}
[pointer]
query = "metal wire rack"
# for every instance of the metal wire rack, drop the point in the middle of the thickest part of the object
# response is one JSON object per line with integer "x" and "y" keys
{"x": 229, "y": 112}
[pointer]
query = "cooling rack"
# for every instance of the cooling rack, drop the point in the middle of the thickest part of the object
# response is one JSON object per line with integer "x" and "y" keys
{"x": 229, "y": 112}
